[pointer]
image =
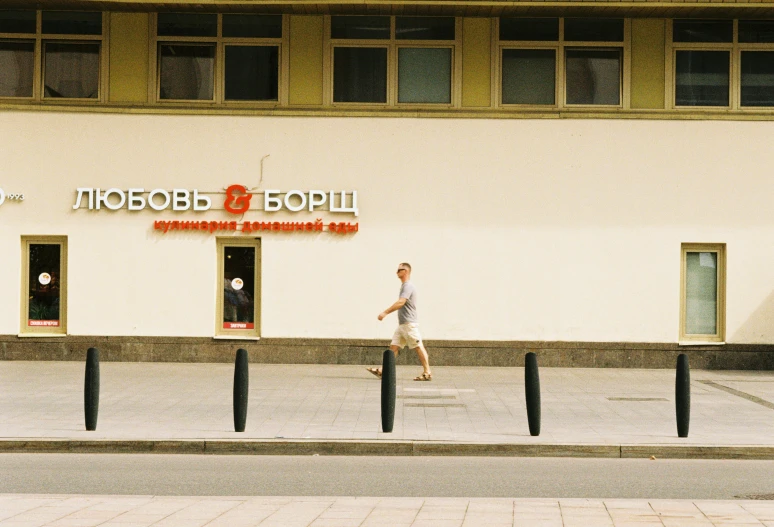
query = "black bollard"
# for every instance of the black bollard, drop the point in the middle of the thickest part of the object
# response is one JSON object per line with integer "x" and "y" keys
{"x": 241, "y": 381}
{"x": 683, "y": 395}
{"x": 532, "y": 391}
{"x": 91, "y": 389}
{"x": 388, "y": 391}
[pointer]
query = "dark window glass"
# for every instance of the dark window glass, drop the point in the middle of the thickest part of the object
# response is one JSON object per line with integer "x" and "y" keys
{"x": 72, "y": 23}
{"x": 757, "y": 78}
{"x": 701, "y": 78}
{"x": 703, "y": 31}
{"x": 187, "y": 71}
{"x": 529, "y": 76}
{"x": 546, "y": 29}
{"x": 17, "y": 63}
{"x": 424, "y": 75}
{"x": 71, "y": 70}
{"x": 239, "y": 288}
{"x": 593, "y": 76}
{"x": 360, "y": 75}
{"x": 256, "y": 26}
{"x": 187, "y": 25}
{"x": 17, "y": 21}
{"x": 44, "y": 284}
{"x": 593, "y": 29}
{"x": 252, "y": 73}
{"x": 368, "y": 27}
{"x": 756, "y": 31}
{"x": 424, "y": 28}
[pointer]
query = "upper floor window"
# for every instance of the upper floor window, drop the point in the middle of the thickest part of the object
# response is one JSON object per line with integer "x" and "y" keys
{"x": 51, "y": 54}
{"x": 723, "y": 63}
{"x": 562, "y": 61}
{"x": 393, "y": 60}
{"x": 219, "y": 57}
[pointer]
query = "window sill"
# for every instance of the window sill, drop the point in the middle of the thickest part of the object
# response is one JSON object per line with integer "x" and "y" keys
{"x": 700, "y": 343}
{"x": 40, "y": 335}
{"x": 234, "y": 337}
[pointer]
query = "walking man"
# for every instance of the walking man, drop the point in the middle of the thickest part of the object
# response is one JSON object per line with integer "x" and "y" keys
{"x": 407, "y": 333}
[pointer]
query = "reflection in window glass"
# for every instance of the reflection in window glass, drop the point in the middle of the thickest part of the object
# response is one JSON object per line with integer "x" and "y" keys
{"x": 360, "y": 27}
{"x": 187, "y": 24}
{"x": 424, "y": 75}
{"x": 529, "y": 76}
{"x": 701, "y": 293}
{"x": 44, "y": 285}
{"x": 702, "y": 31}
{"x": 756, "y": 31}
{"x": 593, "y": 76}
{"x": 701, "y": 78}
{"x": 238, "y": 288}
{"x": 424, "y": 28}
{"x": 545, "y": 29}
{"x": 757, "y": 78}
{"x": 72, "y": 23}
{"x": 71, "y": 70}
{"x": 593, "y": 29}
{"x": 187, "y": 72}
{"x": 252, "y": 73}
{"x": 17, "y": 63}
{"x": 255, "y": 26}
{"x": 17, "y": 21}
{"x": 360, "y": 75}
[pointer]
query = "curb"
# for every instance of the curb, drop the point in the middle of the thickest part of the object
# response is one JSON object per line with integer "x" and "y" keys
{"x": 380, "y": 448}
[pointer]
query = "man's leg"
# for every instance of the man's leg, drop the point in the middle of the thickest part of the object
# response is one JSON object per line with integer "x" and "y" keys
{"x": 423, "y": 358}
{"x": 378, "y": 371}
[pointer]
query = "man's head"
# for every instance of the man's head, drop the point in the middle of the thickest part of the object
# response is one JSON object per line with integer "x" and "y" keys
{"x": 404, "y": 271}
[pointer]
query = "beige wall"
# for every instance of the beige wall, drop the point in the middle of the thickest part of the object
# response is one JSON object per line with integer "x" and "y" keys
{"x": 517, "y": 229}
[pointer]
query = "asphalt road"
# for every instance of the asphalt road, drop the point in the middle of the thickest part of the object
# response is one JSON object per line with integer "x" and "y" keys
{"x": 203, "y": 475}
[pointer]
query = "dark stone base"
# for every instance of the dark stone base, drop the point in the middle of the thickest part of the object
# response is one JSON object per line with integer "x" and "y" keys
{"x": 355, "y": 351}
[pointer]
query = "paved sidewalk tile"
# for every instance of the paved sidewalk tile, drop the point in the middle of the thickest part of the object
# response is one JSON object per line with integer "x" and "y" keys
{"x": 125, "y": 511}
{"x": 168, "y": 401}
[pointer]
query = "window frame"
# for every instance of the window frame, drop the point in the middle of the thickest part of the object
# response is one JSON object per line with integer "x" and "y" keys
{"x": 719, "y": 336}
{"x": 734, "y": 49}
{"x": 220, "y": 331}
{"x": 560, "y": 47}
{"x": 392, "y": 45}
{"x": 40, "y": 39}
{"x": 219, "y": 63}
{"x": 25, "y": 329}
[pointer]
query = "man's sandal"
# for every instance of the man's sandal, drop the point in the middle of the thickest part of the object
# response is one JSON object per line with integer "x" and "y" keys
{"x": 424, "y": 377}
{"x": 375, "y": 371}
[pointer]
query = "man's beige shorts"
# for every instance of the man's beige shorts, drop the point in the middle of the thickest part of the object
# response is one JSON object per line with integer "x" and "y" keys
{"x": 407, "y": 335}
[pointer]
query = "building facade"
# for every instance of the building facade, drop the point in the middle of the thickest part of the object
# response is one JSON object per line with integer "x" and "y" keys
{"x": 589, "y": 180}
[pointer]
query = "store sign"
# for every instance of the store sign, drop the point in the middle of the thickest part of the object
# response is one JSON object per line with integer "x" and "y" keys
{"x": 238, "y": 200}
{"x": 10, "y": 197}
{"x": 238, "y": 325}
{"x": 247, "y": 227}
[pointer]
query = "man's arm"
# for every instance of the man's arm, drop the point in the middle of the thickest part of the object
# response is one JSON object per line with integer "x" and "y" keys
{"x": 396, "y": 306}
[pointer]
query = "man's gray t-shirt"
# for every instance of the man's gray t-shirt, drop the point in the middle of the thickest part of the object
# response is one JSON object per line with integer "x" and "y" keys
{"x": 408, "y": 313}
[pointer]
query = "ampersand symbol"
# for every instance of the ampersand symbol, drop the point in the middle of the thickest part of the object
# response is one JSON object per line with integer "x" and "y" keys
{"x": 237, "y": 203}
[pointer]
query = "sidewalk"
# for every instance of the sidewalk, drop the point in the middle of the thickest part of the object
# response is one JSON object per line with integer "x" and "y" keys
{"x": 144, "y": 511}
{"x": 168, "y": 407}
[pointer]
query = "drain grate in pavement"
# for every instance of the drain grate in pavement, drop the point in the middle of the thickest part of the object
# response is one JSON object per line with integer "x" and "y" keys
{"x": 427, "y": 396}
{"x": 756, "y": 496}
{"x": 636, "y": 399}
{"x": 434, "y": 405}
